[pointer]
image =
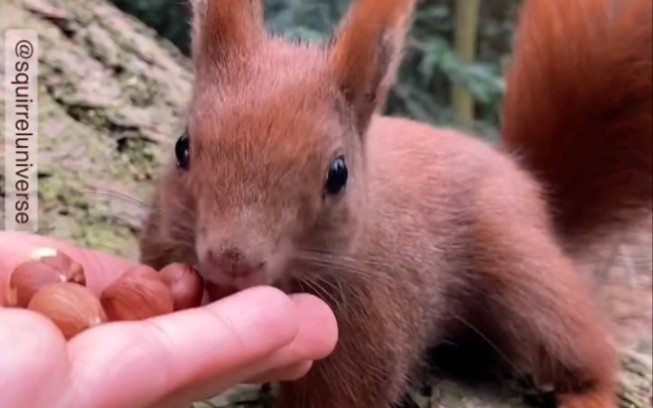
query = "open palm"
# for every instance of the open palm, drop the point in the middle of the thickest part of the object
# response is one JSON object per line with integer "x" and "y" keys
{"x": 256, "y": 335}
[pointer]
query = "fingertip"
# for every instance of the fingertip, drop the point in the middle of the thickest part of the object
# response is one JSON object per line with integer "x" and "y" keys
{"x": 316, "y": 339}
{"x": 293, "y": 372}
{"x": 265, "y": 296}
{"x": 16, "y": 322}
{"x": 31, "y": 347}
{"x": 319, "y": 326}
{"x": 259, "y": 310}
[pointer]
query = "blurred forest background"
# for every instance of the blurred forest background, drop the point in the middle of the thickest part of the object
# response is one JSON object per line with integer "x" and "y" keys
{"x": 449, "y": 77}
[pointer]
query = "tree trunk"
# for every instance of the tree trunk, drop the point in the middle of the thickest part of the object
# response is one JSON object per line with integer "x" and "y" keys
{"x": 112, "y": 100}
{"x": 466, "y": 31}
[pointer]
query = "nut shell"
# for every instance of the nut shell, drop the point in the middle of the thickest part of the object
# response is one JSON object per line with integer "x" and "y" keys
{"x": 71, "y": 307}
{"x": 28, "y": 277}
{"x": 138, "y": 294}
{"x": 74, "y": 271}
{"x": 186, "y": 285}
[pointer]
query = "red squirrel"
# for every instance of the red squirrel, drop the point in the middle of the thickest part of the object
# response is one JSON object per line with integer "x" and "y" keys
{"x": 288, "y": 175}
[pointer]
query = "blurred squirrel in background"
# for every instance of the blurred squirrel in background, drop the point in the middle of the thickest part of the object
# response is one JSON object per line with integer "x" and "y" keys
{"x": 416, "y": 236}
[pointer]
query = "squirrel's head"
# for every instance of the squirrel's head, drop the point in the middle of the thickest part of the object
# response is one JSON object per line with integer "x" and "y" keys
{"x": 273, "y": 158}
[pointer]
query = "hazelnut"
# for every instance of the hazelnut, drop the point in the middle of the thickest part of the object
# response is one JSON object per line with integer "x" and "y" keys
{"x": 39, "y": 253}
{"x": 71, "y": 307}
{"x": 138, "y": 294}
{"x": 45, "y": 268}
{"x": 185, "y": 283}
{"x": 74, "y": 271}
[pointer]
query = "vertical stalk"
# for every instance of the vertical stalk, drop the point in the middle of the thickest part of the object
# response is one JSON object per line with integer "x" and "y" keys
{"x": 466, "y": 30}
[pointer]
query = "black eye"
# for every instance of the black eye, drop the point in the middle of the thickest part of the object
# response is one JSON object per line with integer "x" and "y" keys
{"x": 337, "y": 178}
{"x": 182, "y": 151}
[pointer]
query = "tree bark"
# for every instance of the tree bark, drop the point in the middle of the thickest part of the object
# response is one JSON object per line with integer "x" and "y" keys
{"x": 112, "y": 100}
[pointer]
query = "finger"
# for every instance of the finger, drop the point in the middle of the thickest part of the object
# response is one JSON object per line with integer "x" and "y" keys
{"x": 292, "y": 372}
{"x": 316, "y": 338}
{"x": 100, "y": 268}
{"x": 32, "y": 351}
{"x": 148, "y": 360}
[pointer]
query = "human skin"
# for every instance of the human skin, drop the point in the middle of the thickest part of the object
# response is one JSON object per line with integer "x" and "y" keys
{"x": 257, "y": 335}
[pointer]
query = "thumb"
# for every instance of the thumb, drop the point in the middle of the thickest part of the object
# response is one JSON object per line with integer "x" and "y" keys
{"x": 188, "y": 355}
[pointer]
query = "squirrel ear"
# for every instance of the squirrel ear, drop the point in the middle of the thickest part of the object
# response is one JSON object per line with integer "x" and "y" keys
{"x": 367, "y": 53}
{"x": 221, "y": 28}
{"x": 198, "y": 13}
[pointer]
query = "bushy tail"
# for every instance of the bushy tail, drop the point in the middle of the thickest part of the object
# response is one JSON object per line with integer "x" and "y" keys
{"x": 578, "y": 109}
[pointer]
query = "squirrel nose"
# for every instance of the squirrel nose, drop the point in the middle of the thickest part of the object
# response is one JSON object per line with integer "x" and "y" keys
{"x": 234, "y": 263}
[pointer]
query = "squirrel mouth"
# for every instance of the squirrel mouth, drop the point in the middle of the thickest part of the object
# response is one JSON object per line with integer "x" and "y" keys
{"x": 217, "y": 292}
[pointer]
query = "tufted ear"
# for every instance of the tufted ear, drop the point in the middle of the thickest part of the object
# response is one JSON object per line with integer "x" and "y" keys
{"x": 367, "y": 53}
{"x": 221, "y": 28}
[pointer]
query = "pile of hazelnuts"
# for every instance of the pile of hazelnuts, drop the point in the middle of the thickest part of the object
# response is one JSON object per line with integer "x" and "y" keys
{"x": 54, "y": 285}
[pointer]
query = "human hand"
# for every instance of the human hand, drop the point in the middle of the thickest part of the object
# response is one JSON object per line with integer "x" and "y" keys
{"x": 256, "y": 335}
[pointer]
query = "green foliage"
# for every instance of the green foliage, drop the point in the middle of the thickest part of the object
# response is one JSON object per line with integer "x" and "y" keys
{"x": 430, "y": 65}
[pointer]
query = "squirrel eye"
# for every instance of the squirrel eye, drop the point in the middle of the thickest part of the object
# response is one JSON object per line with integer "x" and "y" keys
{"x": 182, "y": 151}
{"x": 337, "y": 177}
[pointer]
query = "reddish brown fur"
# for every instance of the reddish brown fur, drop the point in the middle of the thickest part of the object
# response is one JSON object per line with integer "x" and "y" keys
{"x": 578, "y": 109}
{"x": 224, "y": 28}
{"x": 435, "y": 231}
{"x": 366, "y": 70}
